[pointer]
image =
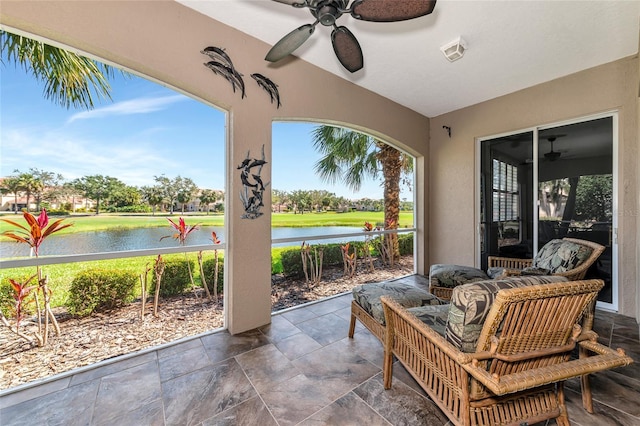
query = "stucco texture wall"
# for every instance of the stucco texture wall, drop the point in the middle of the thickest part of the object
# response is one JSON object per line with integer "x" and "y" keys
{"x": 162, "y": 40}
{"x": 452, "y": 172}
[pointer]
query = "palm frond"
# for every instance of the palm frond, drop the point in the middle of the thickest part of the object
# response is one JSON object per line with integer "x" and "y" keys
{"x": 70, "y": 80}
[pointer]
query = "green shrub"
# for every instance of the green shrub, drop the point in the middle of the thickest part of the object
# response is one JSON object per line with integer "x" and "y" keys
{"x": 405, "y": 242}
{"x": 58, "y": 212}
{"x": 209, "y": 267}
{"x": 7, "y": 302}
{"x": 292, "y": 263}
{"x": 100, "y": 289}
{"x": 175, "y": 279}
{"x": 138, "y": 208}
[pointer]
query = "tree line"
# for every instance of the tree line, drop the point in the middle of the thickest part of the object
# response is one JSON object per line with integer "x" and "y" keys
{"x": 44, "y": 188}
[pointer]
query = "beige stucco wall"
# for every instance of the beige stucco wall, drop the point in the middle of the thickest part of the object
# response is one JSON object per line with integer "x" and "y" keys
{"x": 162, "y": 40}
{"x": 451, "y": 161}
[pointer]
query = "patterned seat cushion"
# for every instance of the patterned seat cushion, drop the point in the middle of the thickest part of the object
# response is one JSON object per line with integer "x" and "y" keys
{"x": 450, "y": 276}
{"x": 435, "y": 316}
{"x": 470, "y": 304}
{"x": 561, "y": 256}
{"x": 408, "y": 296}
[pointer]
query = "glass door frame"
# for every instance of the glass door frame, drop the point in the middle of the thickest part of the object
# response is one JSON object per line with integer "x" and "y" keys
{"x": 613, "y": 306}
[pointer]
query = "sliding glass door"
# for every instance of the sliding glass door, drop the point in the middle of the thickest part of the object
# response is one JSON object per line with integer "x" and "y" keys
{"x": 546, "y": 183}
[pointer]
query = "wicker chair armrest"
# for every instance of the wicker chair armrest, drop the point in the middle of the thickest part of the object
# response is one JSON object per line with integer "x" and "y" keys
{"x": 508, "y": 262}
{"x": 605, "y": 358}
{"x": 510, "y": 273}
{"x": 394, "y": 314}
{"x": 443, "y": 293}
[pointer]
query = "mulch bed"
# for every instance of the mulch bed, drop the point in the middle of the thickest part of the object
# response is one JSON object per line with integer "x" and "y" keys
{"x": 85, "y": 341}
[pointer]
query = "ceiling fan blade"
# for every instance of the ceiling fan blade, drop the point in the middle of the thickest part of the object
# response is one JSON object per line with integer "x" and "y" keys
{"x": 290, "y": 42}
{"x": 347, "y": 49}
{"x": 391, "y": 10}
{"x": 297, "y": 3}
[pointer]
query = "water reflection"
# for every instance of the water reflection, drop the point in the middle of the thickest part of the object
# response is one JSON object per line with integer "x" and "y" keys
{"x": 149, "y": 238}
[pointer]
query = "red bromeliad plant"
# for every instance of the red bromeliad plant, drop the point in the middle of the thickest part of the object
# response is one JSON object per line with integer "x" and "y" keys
{"x": 349, "y": 260}
{"x": 182, "y": 232}
{"x": 389, "y": 244}
{"x": 21, "y": 291}
{"x": 37, "y": 231}
{"x": 34, "y": 235}
{"x": 368, "y": 227}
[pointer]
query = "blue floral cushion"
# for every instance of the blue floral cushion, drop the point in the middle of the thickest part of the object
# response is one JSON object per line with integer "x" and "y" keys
{"x": 408, "y": 296}
{"x": 561, "y": 256}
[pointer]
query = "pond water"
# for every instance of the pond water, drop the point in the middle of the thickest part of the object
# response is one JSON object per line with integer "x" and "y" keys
{"x": 149, "y": 238}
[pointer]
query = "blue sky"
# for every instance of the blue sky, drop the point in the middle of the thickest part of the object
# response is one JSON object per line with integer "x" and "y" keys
{"x": 146, "y": 131}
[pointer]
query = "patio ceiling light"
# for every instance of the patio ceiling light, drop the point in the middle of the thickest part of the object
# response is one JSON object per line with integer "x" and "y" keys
{"x": 455, "y": 49}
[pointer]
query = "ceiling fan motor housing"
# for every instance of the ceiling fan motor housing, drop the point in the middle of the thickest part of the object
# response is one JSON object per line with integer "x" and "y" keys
{"x": 328, "y": 11}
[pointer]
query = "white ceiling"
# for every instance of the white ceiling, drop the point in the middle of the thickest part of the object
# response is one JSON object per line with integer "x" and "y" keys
{"x": 511, "y": 45}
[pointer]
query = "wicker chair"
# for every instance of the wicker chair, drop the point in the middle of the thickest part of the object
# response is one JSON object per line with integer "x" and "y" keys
{"x": 522, "y": 357}
{"x": 512, "y": 267}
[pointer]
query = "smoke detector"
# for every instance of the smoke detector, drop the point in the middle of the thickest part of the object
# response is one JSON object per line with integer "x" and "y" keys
{"x": 454, "y": 50}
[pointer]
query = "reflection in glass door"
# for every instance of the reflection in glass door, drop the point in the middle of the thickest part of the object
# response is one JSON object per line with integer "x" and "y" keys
{"x": 575, "y": 189}
{"x": 568, "y": 178}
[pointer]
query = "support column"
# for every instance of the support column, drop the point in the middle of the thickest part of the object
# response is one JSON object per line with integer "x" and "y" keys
{"x": 248, "y": 247}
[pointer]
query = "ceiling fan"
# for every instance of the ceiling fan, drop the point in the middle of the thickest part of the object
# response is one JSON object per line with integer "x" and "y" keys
{"x": 553, "y": 155}
{"x": 345, "y": 45}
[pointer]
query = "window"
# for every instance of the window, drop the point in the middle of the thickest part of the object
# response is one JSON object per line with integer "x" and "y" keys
{"x": 505, "y": 191}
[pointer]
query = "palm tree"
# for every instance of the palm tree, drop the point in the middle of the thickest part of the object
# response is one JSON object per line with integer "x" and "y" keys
{"x": 30, "y": 185}
{"x": 349, "y": 157}
{"x": 12, "y": 185}
{"x": 70, "y": 79}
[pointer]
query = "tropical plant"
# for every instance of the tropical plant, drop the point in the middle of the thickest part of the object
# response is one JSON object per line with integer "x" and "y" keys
{"x": 153, "y": 195}
{"x": 311, "y": 263}
{"x": 12, "y": 185}
{"x": 368, "y": 242}
{"x": 34, "y": 235}
{"x": 70, "y": 80}
{"x": 182, "y": 232}
{"x": 30, "y": 185}
{"x": 187, "y": 190}
{"x": 350, "y": 157}
{"x": 20, "y": 293}
{"x": 349, "y": 260}
{"x": 48, "y": 183}
{"x": 208, "y": 197}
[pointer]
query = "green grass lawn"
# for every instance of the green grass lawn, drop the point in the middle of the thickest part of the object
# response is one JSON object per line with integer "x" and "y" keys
{"x": 105, "y": 221}
{"x": 60, "y": 276}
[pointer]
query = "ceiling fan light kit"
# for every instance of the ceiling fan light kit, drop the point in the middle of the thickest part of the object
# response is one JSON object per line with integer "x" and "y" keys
{"x": 454, "y": 50}
{"x": 345, "y": 44}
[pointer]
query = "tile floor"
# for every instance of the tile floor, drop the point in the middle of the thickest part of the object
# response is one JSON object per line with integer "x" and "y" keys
{"x": 299, "y": 370}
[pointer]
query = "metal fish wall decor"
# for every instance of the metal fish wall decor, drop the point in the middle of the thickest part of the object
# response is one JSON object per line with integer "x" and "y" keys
{"x": 253, "y": 189}
{"x": 268, "y": 85}
{"x": 222, "y": 65}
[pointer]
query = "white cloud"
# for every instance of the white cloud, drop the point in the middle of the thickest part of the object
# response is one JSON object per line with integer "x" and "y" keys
{"x": 134, "y": 160}
{"x": 135, "y": 106}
